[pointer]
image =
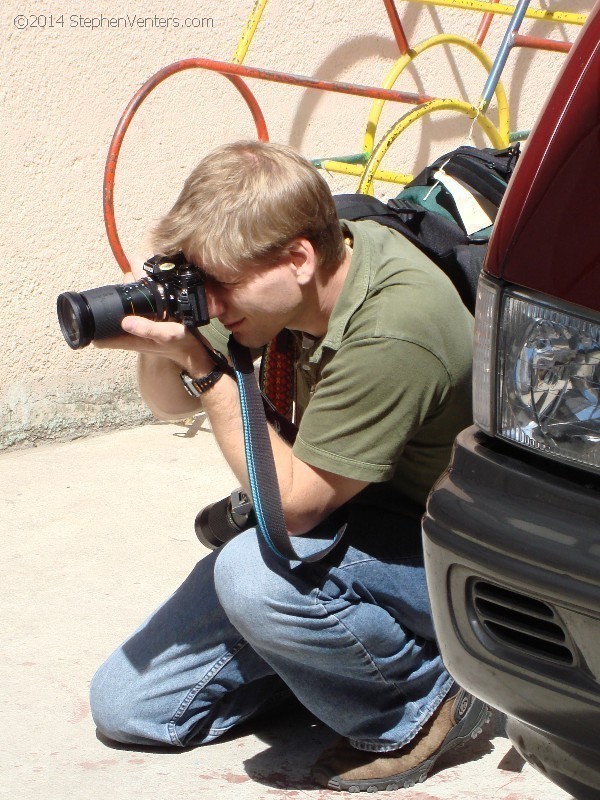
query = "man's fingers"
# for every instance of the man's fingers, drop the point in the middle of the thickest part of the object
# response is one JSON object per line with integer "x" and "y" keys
{"x": 124, "y": 342}
{"x": 145, "y": 336}
{"x": 160, "y": 332}
{"x": 166, "y": 339}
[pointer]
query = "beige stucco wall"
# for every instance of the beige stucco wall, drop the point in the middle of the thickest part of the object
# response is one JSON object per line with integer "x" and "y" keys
{"x": 63, "y": 91}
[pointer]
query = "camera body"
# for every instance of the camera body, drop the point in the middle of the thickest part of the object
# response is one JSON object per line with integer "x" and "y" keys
{"x": 181, "y": 285}
{"x": 172, "y": 289}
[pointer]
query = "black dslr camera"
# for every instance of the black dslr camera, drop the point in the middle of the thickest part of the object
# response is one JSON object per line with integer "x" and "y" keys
{"x": 173, "y": 289}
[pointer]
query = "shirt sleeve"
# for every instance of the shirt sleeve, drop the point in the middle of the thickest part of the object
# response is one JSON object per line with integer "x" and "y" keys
{"x": 216, "y": 335}
{"x": 373, "y": 396}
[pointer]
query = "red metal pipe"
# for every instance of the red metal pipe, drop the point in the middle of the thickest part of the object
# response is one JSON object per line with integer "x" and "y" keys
{"x": 519, "y": 40}
{"x": 397, "y": 28}
{"x": 227, "y": 68}
{"x": 484, "y": 27}
{"x": 119, "y": 134}
{"x": 234, "y": 72}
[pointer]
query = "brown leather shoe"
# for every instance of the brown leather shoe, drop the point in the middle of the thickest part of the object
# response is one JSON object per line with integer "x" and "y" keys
{"x": 458, "y": 718}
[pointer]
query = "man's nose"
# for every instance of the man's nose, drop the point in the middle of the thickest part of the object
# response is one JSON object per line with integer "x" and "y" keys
{"x": 214, "y": 302}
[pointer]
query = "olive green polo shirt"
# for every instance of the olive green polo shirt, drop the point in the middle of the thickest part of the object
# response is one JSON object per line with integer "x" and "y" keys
{"x": 383, "y": 394}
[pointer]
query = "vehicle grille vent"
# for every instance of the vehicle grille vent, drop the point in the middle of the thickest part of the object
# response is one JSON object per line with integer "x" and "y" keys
{"x": 521, "y": 622}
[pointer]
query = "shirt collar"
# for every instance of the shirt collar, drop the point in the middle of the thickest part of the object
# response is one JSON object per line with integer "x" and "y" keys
{"x": 352, "y": 295}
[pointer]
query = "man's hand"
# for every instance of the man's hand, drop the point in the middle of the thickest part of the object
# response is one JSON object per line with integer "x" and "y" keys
{"x": 164, "y": 350}
{"x": 168, "y": 340}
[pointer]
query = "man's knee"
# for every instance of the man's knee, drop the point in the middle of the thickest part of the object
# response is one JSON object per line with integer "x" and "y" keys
{"x": 108, "y": 712}
{"x": 252, "y": 588}
{"x": 116, "y": 708}
{"x": 238, "y": 576}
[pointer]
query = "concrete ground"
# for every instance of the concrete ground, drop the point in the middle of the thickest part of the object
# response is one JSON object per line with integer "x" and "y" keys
{"x": 95, "y": 533}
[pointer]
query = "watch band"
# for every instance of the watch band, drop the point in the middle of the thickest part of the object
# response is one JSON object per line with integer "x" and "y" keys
{"x": 196, "y": 387}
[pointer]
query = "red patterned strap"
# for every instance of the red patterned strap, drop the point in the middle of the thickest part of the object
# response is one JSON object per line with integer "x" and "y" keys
{"x": 278, "y": 373}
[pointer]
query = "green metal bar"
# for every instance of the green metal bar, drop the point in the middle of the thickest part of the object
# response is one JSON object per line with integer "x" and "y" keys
{"x": 518, "y": 136}
{"x": 358, "y": 158}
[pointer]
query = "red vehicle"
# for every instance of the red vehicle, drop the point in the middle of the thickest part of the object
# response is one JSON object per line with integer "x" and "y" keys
{"x": 512, "y": 529}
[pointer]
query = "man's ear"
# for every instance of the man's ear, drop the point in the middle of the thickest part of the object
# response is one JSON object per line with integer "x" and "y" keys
{"x": 303, "y": 261}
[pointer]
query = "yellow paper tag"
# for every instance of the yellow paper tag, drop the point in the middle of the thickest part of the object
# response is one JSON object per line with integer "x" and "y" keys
{"x": 474, "y": 217}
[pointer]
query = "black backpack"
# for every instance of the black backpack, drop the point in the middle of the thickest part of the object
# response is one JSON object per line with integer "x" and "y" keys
{"x": 426, "y": 213}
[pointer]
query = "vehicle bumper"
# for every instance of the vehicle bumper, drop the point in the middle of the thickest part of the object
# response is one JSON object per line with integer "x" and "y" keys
{"x": 513, "y": 566}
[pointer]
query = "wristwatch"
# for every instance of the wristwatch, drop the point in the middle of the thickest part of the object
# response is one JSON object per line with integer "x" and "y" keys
{"x": 196, "y": 387}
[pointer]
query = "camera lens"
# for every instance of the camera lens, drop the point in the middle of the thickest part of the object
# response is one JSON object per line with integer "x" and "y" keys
{"x": 217, "y": 523}
{"x": 75, "y": 319}
{"x": 97, "y": 313}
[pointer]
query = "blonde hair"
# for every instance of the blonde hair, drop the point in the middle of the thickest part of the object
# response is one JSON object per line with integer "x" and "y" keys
{"x": 245, "y": 203}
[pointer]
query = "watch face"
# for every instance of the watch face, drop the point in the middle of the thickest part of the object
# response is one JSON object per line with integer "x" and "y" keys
{"x": 196, "y": 386}
{"x": 189, "y": 384}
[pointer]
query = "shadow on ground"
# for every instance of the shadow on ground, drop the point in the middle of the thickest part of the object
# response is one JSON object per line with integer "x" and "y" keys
{"x": 295, "y": 740}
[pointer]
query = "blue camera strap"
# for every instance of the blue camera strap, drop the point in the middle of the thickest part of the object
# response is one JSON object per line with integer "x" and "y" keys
{"x": 261, "y": 464}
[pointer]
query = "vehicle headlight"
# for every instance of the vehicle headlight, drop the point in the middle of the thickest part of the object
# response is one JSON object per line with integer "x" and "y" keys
{"x": 547, "y": 367}
{"x": 484, "y": 354}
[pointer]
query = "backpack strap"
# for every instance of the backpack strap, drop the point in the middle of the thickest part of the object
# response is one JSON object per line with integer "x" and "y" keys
{"x": 478, "y": 177}
{"x": 487, "y": 171}
{"x": 433, "y": 234}
{"x": 356, "y": 206}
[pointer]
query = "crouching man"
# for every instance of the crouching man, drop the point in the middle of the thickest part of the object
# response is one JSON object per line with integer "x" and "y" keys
{"x": 382, "y": 386}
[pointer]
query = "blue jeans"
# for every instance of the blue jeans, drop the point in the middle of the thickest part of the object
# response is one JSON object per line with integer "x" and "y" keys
{"x": 351, "y": 636}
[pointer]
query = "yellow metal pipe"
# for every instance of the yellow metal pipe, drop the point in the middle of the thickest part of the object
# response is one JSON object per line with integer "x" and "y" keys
{"x": 497, "y": 8}
{"x": 343, "y": 168}
{"x": 248, "y": 32}
{"x": 494, "y": 135}
{"x": 405, "y": 60}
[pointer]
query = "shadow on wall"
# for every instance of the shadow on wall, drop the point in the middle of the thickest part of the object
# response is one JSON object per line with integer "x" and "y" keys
{"x": 340, "y": 61}
{"x": 525, "y": 65}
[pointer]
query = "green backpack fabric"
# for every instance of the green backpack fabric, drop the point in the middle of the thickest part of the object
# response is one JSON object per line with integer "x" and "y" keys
{"x": 427, "y": 213}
